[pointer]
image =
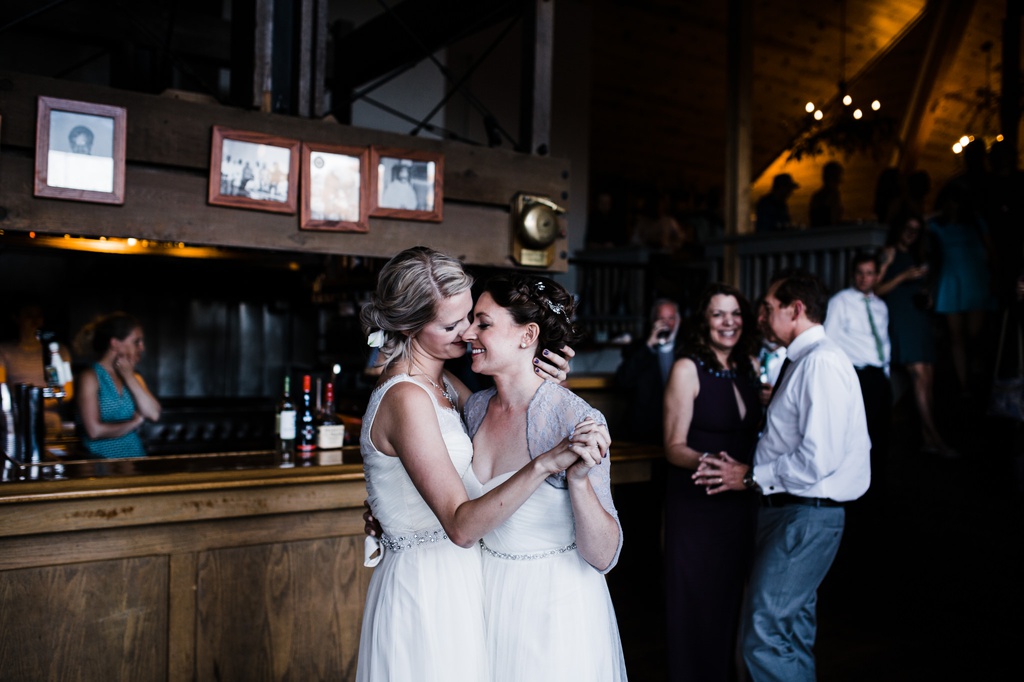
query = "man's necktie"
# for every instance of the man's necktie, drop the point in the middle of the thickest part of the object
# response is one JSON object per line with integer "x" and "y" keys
{"x": 775, "y": 387}
{"x": 874, "y": 332}
{"x": 778, "y": 380}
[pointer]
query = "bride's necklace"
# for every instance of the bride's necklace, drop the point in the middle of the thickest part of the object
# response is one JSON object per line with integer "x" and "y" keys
{"x": 444, "y": 392}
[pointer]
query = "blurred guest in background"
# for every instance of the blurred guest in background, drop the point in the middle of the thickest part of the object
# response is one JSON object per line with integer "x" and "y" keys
{"x": 644, "y": 371}
{"x": 113, "y": 400}
{"x": 890, "y": 193}
{"x": 903, "y": 284}
{"x": 826, "y": 207}
{"x": 964, "y": 282}
{"x": 1005, "y": 217}
{"x": 858, "y": 322}
{"x": 712, "y": 408}
{"x": 773, "y": 208}
{"x": 656, "y": 228}
{"x": 606, "y": 226}
{"x": 919, "y": 186}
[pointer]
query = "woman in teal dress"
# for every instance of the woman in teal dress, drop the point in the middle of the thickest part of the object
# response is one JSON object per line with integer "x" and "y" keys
{"x": 902, "y": 277}
{"x": 963, "y": 285}
{"x": 113, "y": 399}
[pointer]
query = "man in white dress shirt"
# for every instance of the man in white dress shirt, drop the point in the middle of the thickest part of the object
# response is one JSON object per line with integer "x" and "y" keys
{"x": 858, "y": 321}
{"x": 811, "y": 459}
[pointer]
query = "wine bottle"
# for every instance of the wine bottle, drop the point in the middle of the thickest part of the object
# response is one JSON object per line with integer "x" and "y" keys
{"x": 330, "y": 432}
{"x": 285, "y": 418}
{"x": 305, "y": 436}
{"x": 53, "y": 370}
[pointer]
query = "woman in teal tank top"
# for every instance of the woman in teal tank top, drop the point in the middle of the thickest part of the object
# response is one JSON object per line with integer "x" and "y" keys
{"x": 113, "y": 399}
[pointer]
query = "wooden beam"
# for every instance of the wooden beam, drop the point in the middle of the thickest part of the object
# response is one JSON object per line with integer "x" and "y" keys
{"x": 1009, "y": 102}
{"x": 535, "y": 98}
{"x": 737, "y": 158}
{"x": 407, "y": 33}
{"x": 318, "y": 106}
{"x": 306, "y": 48}
{"x": 949, "y": 19}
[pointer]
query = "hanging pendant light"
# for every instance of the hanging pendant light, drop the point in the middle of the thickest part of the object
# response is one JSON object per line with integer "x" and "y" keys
{"x": 984, "y": 123}
{"x": 839, "y": 125}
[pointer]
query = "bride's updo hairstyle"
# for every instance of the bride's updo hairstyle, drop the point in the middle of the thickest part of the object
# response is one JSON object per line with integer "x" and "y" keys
{"x": 409, "y": 289}
{"x": 529, "y": 298}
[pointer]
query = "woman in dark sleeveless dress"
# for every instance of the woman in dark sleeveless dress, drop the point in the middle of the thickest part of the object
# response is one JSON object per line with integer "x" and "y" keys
{"x": 903, "y": 283}
{"x": 712, "y": 406}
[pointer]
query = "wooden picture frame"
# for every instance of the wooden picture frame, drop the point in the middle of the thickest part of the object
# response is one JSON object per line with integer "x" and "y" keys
{"x": 335, "y": 188}
{"x": 422, "y": 188}
{"x": 80, "y": 148}
{"x": 254, "y": 170}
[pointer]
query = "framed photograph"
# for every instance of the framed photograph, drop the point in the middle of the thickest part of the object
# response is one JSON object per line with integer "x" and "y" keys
{"x": 335, "y": 188}
{"x": 406, "y": 183}
{"x": 80, "y": 151}
{"x": 254, "y": 170}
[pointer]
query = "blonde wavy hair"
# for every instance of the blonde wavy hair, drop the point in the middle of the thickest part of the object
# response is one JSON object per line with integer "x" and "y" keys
{"x": 409, "y": 289}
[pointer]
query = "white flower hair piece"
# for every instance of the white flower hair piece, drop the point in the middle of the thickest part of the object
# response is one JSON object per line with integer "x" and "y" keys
{"x": 375, "y": 339}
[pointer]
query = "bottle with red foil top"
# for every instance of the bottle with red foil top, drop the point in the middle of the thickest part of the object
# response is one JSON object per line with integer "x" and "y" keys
{"x": 330, "y": 430}
{"x": 305, "y": 438}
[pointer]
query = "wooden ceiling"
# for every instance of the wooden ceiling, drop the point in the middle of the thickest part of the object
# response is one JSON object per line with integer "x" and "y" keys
{"x": 659, "y": 71}
{"x": 660, "y": 102}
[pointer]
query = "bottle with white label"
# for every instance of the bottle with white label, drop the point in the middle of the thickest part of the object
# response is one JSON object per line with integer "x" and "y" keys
{"x": 54, "y": 369}
{"x": 285, "y": 421}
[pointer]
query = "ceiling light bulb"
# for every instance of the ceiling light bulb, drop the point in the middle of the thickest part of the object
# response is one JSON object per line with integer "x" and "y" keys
{"x": 132, "y": 241}
{"x": 957, "y": 148}
{"x": 809, "y": 107}
{"x": 818, "y": 115}
{"x": 999, "y": 137}
{"x": 847, "y": 100}
{"x": 964, "y": 141}
{"x": 857, "y": 114}
{"x": 876, "y": 105}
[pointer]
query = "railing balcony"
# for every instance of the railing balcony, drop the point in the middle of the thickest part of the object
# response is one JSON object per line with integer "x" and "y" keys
{"x": 824, "y": 251}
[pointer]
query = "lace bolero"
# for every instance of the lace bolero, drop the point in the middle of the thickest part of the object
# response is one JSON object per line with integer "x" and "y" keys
{"x": 552, "y": 415}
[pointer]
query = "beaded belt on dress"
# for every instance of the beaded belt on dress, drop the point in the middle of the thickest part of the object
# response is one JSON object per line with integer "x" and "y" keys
{"x": 523, "y": 557}
{"x": 414, "y": 540}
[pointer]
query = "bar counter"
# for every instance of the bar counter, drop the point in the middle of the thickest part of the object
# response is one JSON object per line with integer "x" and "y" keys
{"x": 198, "y": 567}
{"x": 229, "y": 566}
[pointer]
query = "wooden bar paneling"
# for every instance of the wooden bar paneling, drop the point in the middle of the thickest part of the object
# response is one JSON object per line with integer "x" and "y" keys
{"x": 103, "y": 620}
{"x": 181, "y": 616}
{"x": 292, "y": 631}
{"x": 203, "y": 578}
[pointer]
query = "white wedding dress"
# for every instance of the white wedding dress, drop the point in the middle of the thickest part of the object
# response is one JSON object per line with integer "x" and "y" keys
{"x": 549, "y": 614}
{"x": 424, "y": 617}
